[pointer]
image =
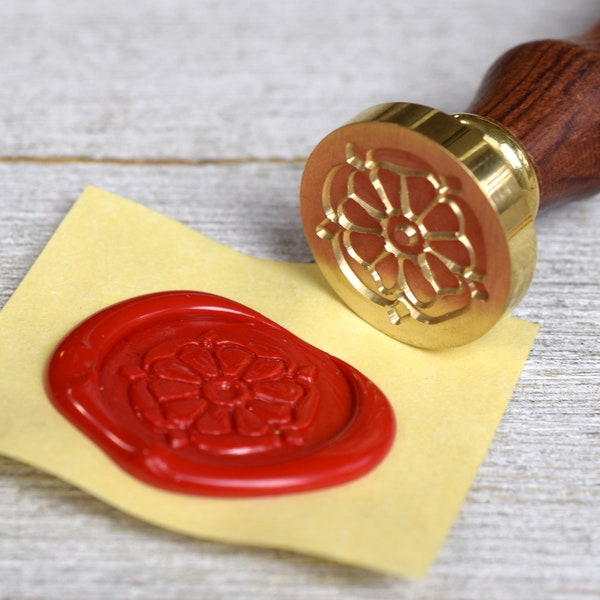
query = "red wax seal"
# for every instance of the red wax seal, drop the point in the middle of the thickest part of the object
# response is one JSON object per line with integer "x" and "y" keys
{"x": 195, "y": 393}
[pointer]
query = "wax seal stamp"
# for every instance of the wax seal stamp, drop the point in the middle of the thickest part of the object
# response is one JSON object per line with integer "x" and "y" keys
{"x": 422, "y": 221}
{"x": 195, "y": 393}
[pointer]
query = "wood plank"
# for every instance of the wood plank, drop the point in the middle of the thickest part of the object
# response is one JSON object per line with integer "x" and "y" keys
{"x": 210, "y": 80}
{"x": 526, "y": 530}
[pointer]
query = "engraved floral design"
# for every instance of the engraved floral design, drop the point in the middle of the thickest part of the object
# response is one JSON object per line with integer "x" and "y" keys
{"x": 222, "y": 396}
{"x": 401, "y": 236}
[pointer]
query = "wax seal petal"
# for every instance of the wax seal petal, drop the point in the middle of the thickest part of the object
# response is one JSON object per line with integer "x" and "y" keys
{"x": 200, "y": 359}
{"x": 249, "y": 423}
{"x": 174, "y": 370}
{"x": 227, "y": 402}
{"x": 264, "y": 369}
{"x": 216, "y": 421}
{"x": 183, "y": 412}
{"x": 233, "y": 359}
{"x": 274, "y": 391}
{"x": 171, "y": 389}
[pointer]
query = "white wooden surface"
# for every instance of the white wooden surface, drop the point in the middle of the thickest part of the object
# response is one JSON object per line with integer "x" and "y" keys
{"x": 204, "y": 110}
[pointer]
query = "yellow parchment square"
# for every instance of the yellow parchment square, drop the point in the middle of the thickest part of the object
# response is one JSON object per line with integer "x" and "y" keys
{"x": 447, "y": 403}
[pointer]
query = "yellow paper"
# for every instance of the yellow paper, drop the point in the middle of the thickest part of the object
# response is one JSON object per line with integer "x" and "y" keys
{"x": 447, "y": 404}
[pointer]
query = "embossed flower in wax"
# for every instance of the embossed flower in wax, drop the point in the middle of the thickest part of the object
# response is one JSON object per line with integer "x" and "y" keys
{"x": 222, "y": 396}
{"x": 198, "y": 394}
{"x": 400, "y": 236}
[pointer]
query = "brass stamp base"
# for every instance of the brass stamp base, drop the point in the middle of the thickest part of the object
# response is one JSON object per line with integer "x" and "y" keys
{"x": 422, "y": 222}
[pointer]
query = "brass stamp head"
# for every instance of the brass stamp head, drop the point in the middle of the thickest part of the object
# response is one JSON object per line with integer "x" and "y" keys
{"x": 422, "y": 222}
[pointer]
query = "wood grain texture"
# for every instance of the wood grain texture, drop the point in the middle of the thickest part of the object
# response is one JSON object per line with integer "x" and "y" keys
{"x": 547, "y": 95}
{"x": 202, "y": 82}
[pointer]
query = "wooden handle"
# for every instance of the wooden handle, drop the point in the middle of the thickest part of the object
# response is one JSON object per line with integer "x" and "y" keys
{"x": 546, "y": 94}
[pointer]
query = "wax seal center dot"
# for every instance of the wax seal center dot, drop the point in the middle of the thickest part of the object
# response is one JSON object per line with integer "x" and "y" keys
{"x": 227, "y": 391}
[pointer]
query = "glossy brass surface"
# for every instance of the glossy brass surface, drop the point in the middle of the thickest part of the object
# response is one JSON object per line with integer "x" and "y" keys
{"x": 422, "y": 222}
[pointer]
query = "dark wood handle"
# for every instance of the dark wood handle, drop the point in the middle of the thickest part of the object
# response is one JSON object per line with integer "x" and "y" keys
{"x": 547, "y": 95}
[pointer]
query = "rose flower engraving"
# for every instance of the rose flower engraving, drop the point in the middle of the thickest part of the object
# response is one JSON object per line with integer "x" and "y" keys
{"x": 403, "y": 236}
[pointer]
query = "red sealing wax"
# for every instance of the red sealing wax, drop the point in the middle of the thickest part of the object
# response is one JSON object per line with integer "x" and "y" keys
{"x": 195, "y": 393}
